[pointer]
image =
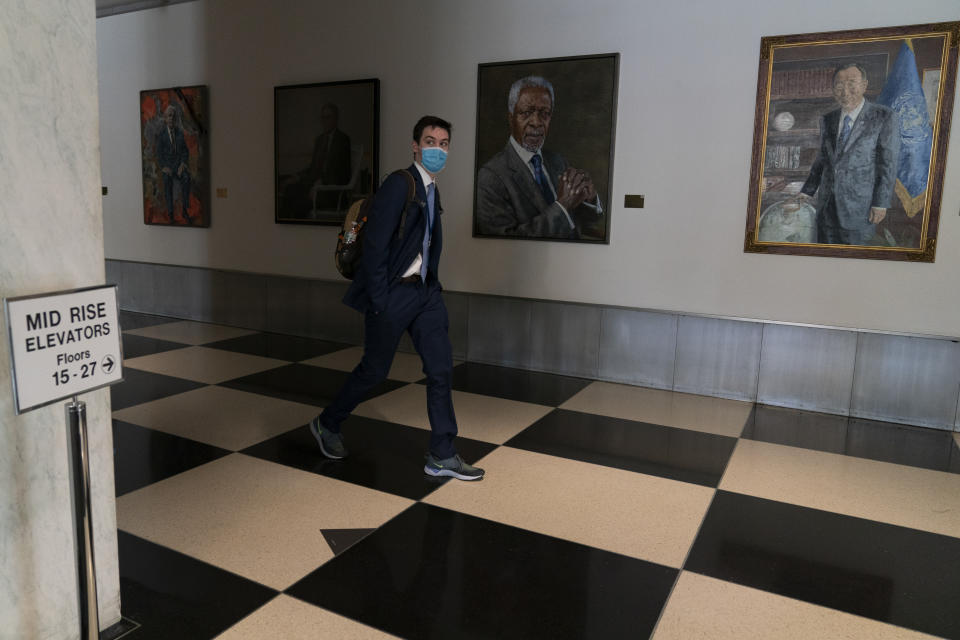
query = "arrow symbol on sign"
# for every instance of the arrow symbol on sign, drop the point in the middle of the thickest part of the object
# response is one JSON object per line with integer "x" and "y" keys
{"x": 107, "y": 364}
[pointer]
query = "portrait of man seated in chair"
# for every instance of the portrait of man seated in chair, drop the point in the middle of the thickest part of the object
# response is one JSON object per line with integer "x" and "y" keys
{"x": 320, "y": 186}
{"x": 326, "y": 138}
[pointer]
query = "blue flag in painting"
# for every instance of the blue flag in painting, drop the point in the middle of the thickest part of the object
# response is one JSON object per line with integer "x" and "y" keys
{"x": 904, "y": 94}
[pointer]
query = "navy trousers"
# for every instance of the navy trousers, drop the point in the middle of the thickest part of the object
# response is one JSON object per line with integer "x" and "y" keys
{"x": 418, "y": 309}
{"x": 829, "y": 230}
{"x": 184, "y": 182}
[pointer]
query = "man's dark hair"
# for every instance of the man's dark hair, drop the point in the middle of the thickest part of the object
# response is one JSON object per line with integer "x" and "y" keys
{"x": 850, "y": 65}
{"x": 430, "y": 121}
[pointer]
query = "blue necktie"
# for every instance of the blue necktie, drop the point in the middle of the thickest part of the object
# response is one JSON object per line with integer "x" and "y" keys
{"x": 844, "y": 133}
{"x": 425, "y": 253}
{"x": 541, "y": 179}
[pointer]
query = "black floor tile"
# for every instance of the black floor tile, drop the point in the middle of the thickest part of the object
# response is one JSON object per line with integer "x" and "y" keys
{"x": 303, "y": 383}
{"x": 434, "y": 573}
{"x": 884, "y": 441}
{"x": 119, "y": 630}
{"x": 678, "y": 454}
{"x": 136, "y": 346}
{"x": 174, "y": 596}
{"x": 893, "y": 574}
{"x": 133, "y": 320}
{"x": 342, "y": 539}
{"x": 516, "y": 384}
{"x": 383, "y": 456}
{"x": 143, "y": 386}
{"x": 279, "y": 346}
{"x": 143, "y": 456}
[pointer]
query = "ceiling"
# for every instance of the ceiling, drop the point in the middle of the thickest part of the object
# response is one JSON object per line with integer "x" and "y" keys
{"x": 113, "y": 7}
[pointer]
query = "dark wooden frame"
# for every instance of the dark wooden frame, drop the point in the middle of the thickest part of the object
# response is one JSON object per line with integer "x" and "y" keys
{"x": 574, "y": 117}
{"x": 296, "y": 110}
{"x": 925, "y": 252}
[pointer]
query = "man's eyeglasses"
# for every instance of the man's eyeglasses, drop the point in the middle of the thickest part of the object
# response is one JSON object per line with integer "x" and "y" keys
{"x": 849, "y": 84}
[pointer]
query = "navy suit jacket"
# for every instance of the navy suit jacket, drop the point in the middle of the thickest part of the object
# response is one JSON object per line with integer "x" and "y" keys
{"x": 384, "y": 258}
{"x": 171, "y": 155}
{"x": 329, "y": 165}
{"x": 862, "y": 174}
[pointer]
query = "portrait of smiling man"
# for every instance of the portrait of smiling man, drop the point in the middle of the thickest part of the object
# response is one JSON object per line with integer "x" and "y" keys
{"x": 527, "y": 190}
{"x": 855, "y": 172}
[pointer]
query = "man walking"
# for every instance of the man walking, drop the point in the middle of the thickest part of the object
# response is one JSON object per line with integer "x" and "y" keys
{"x": 397, "y": 290}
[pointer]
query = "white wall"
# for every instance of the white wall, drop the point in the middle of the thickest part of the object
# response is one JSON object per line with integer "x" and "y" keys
{"x": 52, "y": 240}
{"x": 687, "y": 81}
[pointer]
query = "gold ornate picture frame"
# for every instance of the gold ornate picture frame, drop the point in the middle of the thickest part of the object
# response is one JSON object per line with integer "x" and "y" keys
{"x": 867, "y": 186}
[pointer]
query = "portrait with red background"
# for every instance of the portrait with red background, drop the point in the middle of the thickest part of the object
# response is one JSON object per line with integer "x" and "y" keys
{"x": 175, "y": 155}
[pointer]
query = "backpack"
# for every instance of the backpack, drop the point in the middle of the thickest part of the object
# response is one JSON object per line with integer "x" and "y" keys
{"x": 350, "y": 238}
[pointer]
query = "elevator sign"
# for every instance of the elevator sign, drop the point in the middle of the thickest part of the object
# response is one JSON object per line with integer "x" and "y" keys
{"x": 63, "y": 344}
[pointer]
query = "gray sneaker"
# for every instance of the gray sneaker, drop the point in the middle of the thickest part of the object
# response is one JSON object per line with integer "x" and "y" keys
{"x": 453, "y": 467}
{"x": 331, "y": 444}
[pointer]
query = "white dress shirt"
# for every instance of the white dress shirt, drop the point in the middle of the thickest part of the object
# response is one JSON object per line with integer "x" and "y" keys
{"x": 853, "y": 119}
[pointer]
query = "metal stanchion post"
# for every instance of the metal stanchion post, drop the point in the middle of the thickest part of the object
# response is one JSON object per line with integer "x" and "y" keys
{"x": 80, "y": 490}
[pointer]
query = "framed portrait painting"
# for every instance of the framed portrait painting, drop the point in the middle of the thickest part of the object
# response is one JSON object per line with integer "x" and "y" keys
{"x": 850, "y": 142}
{"x": 545, "y": 142}
{"x": 326, "y": 145}
{"x": 174, "y": 145}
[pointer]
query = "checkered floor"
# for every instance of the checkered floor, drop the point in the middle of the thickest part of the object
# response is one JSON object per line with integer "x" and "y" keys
{"x": 608, "y": 511}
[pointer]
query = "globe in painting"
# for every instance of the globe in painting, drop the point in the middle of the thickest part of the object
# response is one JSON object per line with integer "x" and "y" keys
{"x": 788, "y": 221}
{"x": 784, "y": 121}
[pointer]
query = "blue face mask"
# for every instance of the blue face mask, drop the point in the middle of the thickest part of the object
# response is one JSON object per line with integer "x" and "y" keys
{"x": 433, "y": 158}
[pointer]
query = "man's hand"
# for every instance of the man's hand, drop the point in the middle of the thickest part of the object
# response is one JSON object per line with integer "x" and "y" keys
{"x": 589, "y": 189}
{"x": 167, "y": 170}
{"x": 575, "y": 187}
{"x": 877, "y": 215}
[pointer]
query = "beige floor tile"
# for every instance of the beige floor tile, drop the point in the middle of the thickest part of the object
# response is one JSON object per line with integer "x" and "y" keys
{"x": 479, "y": 417}
{"x": 190, "y": 332}
{"x": 686, "y": 411}
{"x": 634, "y": 514}
{"x": 258, "y": 519}
{"x": 704, "y": 607}
{"x": 286, "y": 618}
{"x": 896, "y": 494}
{"x": 406, "y": 367}
{"x": 222, "y": 417}
{"x": 203, "y": 364}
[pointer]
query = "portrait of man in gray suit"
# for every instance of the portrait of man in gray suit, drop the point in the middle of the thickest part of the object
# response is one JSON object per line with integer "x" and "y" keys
{"x": 526, "y": 190}
{"x": 855, "y": 172}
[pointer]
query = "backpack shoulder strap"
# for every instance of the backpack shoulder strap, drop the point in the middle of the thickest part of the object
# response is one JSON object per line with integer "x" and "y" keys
{"x": 411, "y": 196}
